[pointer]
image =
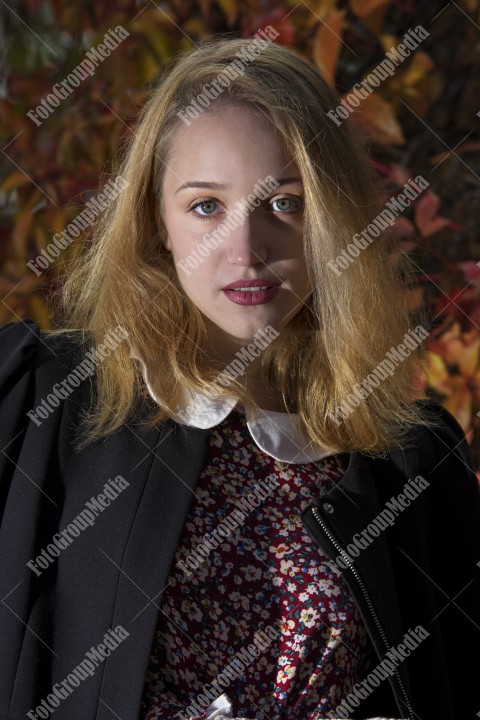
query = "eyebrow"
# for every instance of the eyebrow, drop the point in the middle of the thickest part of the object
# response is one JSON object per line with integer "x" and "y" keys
{"x": 221, "y": 186}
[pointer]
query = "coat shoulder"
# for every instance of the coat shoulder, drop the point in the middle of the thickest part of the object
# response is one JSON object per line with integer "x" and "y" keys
{"x": 26, "y": 350}
{"x": 441, "y": 449}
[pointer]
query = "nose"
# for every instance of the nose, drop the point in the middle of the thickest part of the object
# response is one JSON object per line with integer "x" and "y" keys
{"x": 247, "y": 242}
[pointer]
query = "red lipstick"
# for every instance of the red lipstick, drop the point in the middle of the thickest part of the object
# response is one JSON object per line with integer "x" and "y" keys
{"x": 251, "y": 292}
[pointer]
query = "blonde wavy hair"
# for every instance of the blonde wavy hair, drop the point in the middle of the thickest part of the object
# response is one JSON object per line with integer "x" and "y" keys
{"x": 125, "y": 276}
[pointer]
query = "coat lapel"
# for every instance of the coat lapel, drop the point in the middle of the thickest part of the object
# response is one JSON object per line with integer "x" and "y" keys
{"x": 355, "y": 504}
{"x": 178, "y": 457}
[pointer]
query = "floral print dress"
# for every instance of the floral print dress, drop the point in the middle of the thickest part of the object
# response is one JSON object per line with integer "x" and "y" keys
{"x": 267, "y": 573}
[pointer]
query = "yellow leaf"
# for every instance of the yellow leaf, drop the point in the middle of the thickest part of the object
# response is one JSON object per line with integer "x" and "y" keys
{"x": 230, "y": 8}
{"x": 388, "y": 41}
{"x": 437, "y": 373}
{"x": 14, "y": 180}
{"x": 377, "y": 117}
{"x": 463, "y": 351}
{"x": 420, "y": 64}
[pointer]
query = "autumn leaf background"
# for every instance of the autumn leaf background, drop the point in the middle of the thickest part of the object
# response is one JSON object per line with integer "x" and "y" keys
{"x": 424, "y": 119}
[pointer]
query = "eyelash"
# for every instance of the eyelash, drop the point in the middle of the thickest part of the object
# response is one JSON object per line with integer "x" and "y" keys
{"x": 211, "y": 200}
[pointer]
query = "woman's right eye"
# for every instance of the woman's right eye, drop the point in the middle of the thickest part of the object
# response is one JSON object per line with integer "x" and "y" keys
{"x": 204, "y": 202}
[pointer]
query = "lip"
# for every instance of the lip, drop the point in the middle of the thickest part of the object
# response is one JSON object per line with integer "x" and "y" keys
{"x": 251, "y": 297}
{"x": 258, "y": 282}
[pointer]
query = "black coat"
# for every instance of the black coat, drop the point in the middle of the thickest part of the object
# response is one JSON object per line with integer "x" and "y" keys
{"x": 421, "y": 571}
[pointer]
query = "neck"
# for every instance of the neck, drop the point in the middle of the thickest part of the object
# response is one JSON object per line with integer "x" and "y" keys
{"x": 253, "y": 380}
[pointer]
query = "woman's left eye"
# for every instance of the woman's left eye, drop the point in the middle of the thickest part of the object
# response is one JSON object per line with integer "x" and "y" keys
{"x": 297, "y": 202}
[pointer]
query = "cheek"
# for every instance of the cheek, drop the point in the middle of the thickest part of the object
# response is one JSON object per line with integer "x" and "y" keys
{"x": 302, "y": 272}
{"x": 185, "y": 239}
{"x": 196, "y": 277}
{"x": 178, "y": 234}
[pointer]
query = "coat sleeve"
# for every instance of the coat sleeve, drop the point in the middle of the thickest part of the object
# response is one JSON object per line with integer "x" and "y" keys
{"x": 19, "y": 342}
{"x": 455, "y": 557}
{"x": 31, "y": 502}
{"x": 31, "y": 362}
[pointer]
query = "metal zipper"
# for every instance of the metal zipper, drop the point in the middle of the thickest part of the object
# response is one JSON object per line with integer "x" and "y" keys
{"x": 360, "y": 582}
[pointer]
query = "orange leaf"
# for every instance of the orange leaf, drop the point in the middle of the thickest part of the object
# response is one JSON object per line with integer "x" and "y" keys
{"x": 204, "y": 6}
{"x": 475, "y": 385}
{"x": 459, "y": 404}
{"x": 376, "y": 116}
{"x": 460, "y": 349}
{"x": 328, "y": 40}
{"x": 20, "y": 234}
{"x": 442, "y": 337}
{"x": 14, "y": 180}
{"x": 371, "y": 12}
{"x": 466, "y": 147}
{"x": 414, "y": 299}
{"x": 404, "y": 228}
{"x": 364, "y": 8}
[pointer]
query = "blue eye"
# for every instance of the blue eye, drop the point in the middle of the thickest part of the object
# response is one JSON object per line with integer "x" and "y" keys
{"x": 297, "y": 201}
{"x": 204, "y": 202}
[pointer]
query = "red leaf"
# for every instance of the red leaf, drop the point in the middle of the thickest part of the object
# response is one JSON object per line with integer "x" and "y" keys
{"x": 426, "y": 218}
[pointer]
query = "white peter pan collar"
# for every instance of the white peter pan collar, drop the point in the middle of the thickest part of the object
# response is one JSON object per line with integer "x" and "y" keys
{"x": 273, "y": 432}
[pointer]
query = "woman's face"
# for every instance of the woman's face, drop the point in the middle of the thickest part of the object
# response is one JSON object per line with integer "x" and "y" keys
{"x": 235, "y": 147}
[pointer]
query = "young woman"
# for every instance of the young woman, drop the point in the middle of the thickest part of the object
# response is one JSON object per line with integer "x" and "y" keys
{"x": 220, "y": 495}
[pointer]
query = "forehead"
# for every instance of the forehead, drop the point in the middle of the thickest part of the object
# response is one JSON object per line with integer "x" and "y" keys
{"x": 227, "y": 139}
